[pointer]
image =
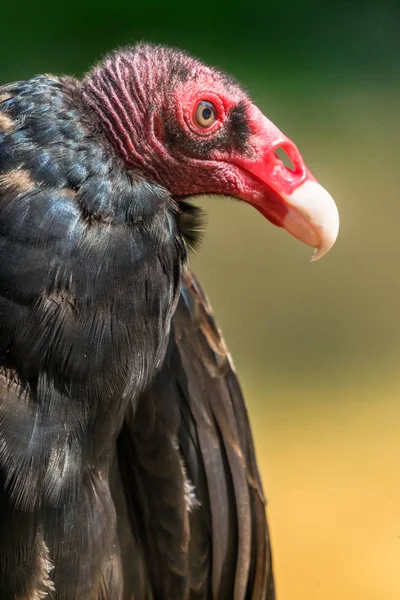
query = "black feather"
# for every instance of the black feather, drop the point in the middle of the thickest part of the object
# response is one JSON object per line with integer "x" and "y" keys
{"x": 90, "y": 268}
{"x": 191, "y": 221}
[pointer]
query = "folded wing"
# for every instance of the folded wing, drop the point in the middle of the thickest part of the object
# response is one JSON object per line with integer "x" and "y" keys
{"x": 197, "y": 501}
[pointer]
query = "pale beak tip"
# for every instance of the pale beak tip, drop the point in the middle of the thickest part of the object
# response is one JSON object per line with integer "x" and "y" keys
{"x": 317, "y": 204}
{"x": 320, "y": 252}
{"x": 315, "y": 255}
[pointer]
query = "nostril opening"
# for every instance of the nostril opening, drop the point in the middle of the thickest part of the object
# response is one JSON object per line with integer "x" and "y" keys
{"x": 285, "y": 158}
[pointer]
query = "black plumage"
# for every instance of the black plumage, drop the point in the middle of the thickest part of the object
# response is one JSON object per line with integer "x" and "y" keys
{"x": 127, "y": 468}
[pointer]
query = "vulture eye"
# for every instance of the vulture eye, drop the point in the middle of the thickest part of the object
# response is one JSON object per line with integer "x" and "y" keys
{"x": 206, "y": 114}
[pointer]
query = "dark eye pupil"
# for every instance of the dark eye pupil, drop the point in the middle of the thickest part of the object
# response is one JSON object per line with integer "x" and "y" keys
{"x": 207, "y": 113}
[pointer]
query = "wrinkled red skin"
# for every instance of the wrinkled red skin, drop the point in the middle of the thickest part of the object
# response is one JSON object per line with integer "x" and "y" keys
{"x": 143, "y": 106}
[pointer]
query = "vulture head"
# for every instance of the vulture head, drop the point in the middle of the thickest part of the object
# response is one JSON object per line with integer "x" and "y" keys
{"x": 194, "y": 130}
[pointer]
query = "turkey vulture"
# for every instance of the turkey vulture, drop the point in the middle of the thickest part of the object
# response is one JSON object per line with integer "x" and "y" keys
{"x": 127, "y": 467}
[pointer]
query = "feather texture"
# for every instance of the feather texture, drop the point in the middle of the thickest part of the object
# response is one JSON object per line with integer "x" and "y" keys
{"x": 197, "y": 499}
{"x": 90, "y": 261}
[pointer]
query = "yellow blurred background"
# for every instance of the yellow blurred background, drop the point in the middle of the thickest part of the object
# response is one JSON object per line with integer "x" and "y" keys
{"x": 316, "y": 346}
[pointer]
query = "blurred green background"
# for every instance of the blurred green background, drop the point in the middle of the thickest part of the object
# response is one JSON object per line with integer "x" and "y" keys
{"x": 317, "y": 346}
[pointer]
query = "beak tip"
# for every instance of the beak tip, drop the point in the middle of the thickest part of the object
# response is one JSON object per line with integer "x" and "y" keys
{"x": 320, "y": 208}
{"x": 319, "y": 253}
{"x": 315, "y": 255}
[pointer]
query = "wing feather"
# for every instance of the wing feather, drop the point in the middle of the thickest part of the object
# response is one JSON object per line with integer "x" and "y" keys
{"x": 214, "y": 391}
{"x": 196, "y": 406}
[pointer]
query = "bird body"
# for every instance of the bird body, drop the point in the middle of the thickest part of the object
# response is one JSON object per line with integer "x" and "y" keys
{"x": 127, "y": 468}
{"x": 91, "y": 281}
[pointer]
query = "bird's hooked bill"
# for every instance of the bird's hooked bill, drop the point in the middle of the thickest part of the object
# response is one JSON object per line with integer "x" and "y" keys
{"x": 289, "y": 196}
{"x": 322, "y": 217}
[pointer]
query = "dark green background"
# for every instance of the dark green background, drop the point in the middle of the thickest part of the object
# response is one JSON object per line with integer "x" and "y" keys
{"x": 317, "y": 346}
{"x": 351, "y": 37}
